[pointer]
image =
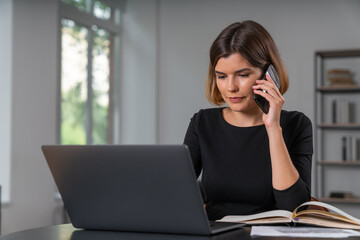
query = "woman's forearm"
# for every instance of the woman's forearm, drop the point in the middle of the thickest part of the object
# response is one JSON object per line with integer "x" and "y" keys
{"x": 284, "y": 173}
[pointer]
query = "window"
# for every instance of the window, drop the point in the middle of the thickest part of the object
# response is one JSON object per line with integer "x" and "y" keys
{"x": 102, "y": 11}
{"x": 89, "y": 43}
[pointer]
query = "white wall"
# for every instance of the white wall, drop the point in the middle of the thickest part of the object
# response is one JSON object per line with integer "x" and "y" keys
{"x": 34, "y": 40}
{"x": 5, "y": 97}
{"x": 138, "y": 86}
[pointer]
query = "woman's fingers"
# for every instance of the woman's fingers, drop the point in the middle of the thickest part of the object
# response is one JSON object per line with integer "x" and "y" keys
{"x": 272, "y": 93}
{"x": 267, "y": 88}
{"x": 269, "y": 85}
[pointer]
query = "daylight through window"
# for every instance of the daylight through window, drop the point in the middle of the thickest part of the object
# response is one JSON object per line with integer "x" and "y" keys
{"x": 87, "y": 75}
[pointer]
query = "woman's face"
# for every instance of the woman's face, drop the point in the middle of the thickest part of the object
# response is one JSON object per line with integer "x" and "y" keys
{"x": 235, "y": 77}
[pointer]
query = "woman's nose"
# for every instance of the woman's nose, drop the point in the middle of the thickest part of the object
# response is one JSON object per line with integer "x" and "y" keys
{"x": 231, "y": 85}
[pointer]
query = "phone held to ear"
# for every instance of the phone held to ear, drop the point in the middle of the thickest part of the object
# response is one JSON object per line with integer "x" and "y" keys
{"x": 261, "y": 101}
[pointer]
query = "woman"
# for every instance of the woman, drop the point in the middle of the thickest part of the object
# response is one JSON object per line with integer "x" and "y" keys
{"x": 250, "y": 161}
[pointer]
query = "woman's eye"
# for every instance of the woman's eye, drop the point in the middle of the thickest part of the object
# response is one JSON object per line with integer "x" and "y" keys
{"x": 244, "y": 75}
{"x": 220, "y": 76}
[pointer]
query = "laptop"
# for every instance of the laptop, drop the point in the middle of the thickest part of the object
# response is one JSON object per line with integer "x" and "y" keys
{"x": 136, "y": 188}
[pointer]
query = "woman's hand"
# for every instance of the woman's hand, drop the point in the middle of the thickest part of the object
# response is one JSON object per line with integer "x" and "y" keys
{"x": 275, "y": 99}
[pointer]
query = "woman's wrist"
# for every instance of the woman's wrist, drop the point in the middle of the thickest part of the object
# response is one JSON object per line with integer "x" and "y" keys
{"x": 274, "y": 131}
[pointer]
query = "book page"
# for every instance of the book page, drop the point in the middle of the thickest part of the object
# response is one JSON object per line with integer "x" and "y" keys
{"x": 276, "y": 215}
{"x": 267, "y": 220}
{"x": 316, "y": 214}
{"x": 326, "y": 222}
{"x": 338, "y": 214}
{"x": 310, "y": 232}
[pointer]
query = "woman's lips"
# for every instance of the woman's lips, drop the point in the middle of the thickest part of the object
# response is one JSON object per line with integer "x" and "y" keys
{"x": 236, "y": 99}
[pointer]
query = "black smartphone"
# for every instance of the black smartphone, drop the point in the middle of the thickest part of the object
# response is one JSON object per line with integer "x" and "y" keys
{"x": 261, "y": 101}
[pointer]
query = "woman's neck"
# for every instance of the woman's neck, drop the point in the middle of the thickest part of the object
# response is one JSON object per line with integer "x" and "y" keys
{"x": 243, "y": 119}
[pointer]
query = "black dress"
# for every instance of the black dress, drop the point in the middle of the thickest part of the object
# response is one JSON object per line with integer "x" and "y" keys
{"x": 236, "y": 165}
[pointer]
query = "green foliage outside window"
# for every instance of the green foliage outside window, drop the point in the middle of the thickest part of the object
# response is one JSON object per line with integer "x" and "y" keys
{"x": 79, "y": 4}
{"x": 74, "y": 81}
{"x": 73, "y": 117}
{"x": 99, "y": 9}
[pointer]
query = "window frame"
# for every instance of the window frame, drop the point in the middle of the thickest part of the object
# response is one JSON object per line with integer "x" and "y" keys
{"x": 87, "y": 19}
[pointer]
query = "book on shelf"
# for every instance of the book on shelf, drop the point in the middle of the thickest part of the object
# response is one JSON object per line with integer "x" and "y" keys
{"x": 340, "y": 77}
{"x": 350, "y": 148}
{"x": 334, "y": 217}
{"x": 341, "y": 195}
{"x": 343, "y": 111}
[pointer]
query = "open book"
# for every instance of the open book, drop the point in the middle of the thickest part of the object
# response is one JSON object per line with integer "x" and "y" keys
{"x": 335, "y": 218}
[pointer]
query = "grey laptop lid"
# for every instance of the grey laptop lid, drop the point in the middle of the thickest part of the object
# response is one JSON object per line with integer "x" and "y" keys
{"x": 143, "y": 188}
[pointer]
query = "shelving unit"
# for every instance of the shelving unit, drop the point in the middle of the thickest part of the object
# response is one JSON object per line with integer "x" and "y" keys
{"x": 343, "y": 88}
{"x": 326, "y": 142}
{"x": 349, "y": 126}
{"x": 338, "y": 163}
{"x": 341, "y": 200}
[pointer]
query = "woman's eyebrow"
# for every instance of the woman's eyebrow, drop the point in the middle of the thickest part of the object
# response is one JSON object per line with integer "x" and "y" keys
{"x": 237, "y": 71}
{"x": 218, "y": 72}
{"x": 242, "y": 70}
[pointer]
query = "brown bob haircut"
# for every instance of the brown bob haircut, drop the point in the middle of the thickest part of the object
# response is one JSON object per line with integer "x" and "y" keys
{"x": 254, "y": 43}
